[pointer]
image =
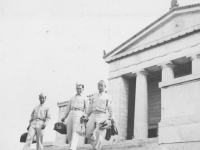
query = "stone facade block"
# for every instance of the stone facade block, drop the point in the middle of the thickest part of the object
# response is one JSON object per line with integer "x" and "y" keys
{"x": 180, "y": 110}
{"x": 118, "y": 89}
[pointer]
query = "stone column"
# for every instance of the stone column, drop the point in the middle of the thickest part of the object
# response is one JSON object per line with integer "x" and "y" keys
{"x": 167, "y": 71}
{"x": 141, "y": 106}
{"x": 195, "y": 63}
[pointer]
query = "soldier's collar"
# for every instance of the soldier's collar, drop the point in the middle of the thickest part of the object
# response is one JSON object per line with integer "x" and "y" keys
{"x": 78, "y": 94}
{"x": 42, "y": 104}
{"x": 102, "y": 93}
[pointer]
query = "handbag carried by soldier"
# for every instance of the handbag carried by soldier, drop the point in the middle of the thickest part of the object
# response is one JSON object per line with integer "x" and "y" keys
{"x": 24, "y": 136}
{"x": 60, "y": 128}
{"x": 81, "y": 130}
{"x": 105, "y": 124}
{"x": 111, "y": 131}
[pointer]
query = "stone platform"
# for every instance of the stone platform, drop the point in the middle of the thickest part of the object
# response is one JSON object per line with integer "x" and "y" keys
{"x": 149, "y": 144}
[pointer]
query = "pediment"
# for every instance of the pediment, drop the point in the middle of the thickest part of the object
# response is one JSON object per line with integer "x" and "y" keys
{"x": 174, "y": 24}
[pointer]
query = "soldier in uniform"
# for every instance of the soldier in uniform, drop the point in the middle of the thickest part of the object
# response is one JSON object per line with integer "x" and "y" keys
{"x": 76, "y": 108}
{"x": 40, "y": 117}
{"x": 99, "y": 104}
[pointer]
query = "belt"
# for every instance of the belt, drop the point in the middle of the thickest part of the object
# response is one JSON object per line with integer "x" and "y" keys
{"x": 77, "y": 109}
{"x": 98, "y": 112}
{"x": 38, "y": 119}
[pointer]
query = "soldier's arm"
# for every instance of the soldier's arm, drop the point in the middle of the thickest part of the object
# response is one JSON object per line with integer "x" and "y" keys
{"x": 32, "y": 115}
{"x": 110, "y": 107}
{"x": 86, "y": 101}
{"x": 48, "y": 117}
{"x": 89, "y": 110}
{"x": 31, "y": 119}
{"x": 67, "y": 110}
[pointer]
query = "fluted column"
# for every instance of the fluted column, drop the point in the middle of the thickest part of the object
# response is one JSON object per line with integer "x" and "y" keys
{"x": 195, "y": 63}
{"x": 141, "y": 106}
{"x": 167, "y": 71}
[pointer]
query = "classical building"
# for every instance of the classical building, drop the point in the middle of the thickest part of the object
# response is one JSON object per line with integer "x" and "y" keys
{"x": 154, "y": 80}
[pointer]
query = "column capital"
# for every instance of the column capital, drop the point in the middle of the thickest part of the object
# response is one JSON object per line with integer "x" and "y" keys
{"x": 140, "y": 72}
{"x": 195, "y": 59}
{"x": 166, "y": 64}
{"x": 194, "y": 56}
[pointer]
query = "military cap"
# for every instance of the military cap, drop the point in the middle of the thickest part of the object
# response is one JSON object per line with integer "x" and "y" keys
{"x": 42, "y": 96}
{"x": 102, "y": 82}
{"x": 79, "y": 83}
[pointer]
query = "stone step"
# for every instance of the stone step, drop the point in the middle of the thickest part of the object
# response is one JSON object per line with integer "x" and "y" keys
{"x": 149, "y": 144}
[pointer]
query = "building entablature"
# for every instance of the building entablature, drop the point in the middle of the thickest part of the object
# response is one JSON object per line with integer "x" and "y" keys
{"x": 149, "y": 59}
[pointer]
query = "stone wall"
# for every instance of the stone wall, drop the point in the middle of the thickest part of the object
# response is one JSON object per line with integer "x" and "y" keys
{"x": 118, "y": 89}
{"x": 180, "y": 120}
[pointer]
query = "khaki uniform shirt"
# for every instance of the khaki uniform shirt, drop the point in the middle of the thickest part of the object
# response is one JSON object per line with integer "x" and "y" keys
{"x": 78, "y": 102}
{"x": 101, "y": 102}
{"x": 41, "y": 112}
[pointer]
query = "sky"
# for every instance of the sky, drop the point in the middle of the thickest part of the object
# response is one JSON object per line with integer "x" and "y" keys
{"x": 49, "y": 45}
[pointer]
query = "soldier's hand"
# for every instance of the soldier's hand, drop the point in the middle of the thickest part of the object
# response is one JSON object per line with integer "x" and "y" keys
{"x": 86, "y": 117}
{"x": 43, "y": 126}
{"x": 85, "y": 120}
{"x": 63, "y": 120}
{"x": 28, "y": 127}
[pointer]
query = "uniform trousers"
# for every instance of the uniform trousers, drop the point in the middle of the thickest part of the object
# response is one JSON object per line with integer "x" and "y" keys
{"x": 73, "y": 122}
{"x": 95, "y": 135}
{"x": 35, "y": 129}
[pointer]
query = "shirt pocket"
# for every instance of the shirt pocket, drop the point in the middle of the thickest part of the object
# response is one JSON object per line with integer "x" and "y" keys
{"x": 73, "y": 104}
{"x": 102, "y": 104}
{"x": 80, "y": 104}
{"x": 35, "y": 113}
{"x": 42, "y": 113}
{"x": 94, "y": 102}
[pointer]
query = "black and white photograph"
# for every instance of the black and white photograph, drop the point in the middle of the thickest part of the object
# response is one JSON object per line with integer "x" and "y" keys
{"x": 100, "y": 74}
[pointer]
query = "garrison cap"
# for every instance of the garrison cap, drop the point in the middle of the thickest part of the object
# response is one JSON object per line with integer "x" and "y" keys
{"x": 102, "y": 82}
{"x": 42, "y": 96}
{"x": 79, "y": 83}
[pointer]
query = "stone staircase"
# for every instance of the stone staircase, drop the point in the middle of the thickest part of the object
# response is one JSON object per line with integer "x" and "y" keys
{"x": 149, "y": 144}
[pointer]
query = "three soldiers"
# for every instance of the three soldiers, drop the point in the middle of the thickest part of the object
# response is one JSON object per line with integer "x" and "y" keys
{"x": 77, "y": 107}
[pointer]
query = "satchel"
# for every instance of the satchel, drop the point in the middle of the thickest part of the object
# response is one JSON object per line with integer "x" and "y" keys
{"x": 105, "y": 125}
{"x": 60, "y": 128}
{"x": 112, "y": 131}
{"x": 81, "y": 130}
{"x": 24, "y": 137}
